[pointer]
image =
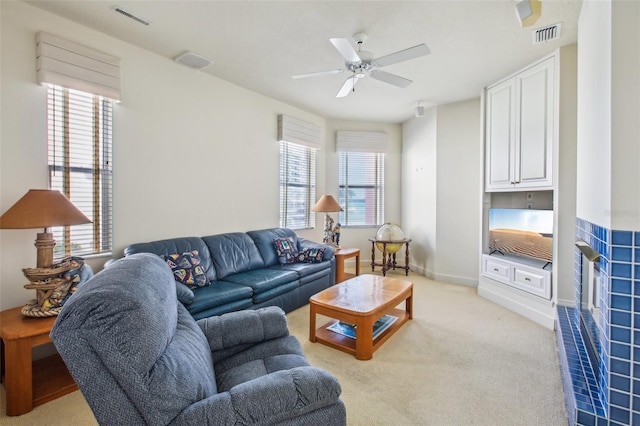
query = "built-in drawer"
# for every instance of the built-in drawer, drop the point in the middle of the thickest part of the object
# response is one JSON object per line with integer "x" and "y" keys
{"x": 532, "y": 281}
{"x": 496, "y": 270}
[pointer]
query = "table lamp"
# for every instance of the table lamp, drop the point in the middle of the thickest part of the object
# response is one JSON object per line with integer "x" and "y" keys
{"x": 327, "y": 204}
{"x": 41, "y": 208}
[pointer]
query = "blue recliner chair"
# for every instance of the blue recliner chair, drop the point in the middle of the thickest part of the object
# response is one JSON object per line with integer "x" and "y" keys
{"x": 139, "y": 357}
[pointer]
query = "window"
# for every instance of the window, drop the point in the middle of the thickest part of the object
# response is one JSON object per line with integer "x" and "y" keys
{"x": 79, "y": 139}
{"x": 361, "y": 179}
{"x": 297, "y": 185}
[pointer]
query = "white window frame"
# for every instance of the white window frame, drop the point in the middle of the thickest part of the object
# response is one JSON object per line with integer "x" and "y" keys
{"x": 80, "y": 166}
{"x": 297, "y": 173}
{"x": 373, "y": 184}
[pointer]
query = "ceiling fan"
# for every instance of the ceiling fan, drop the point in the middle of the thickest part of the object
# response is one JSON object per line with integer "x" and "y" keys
{"x": 359, "y": 62}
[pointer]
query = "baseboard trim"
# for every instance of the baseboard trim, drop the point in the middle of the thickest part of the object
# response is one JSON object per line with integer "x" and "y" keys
{"x": 541, "y": 313}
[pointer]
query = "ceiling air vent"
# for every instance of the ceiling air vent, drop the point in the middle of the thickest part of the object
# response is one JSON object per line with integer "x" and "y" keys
{"x": 546, "y": 34}
{"x": 130, "y": 16}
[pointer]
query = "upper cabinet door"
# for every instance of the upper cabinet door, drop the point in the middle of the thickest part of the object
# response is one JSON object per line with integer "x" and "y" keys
{"x": 535, "y": 126}
{"x": 500, "y": 130}
{"x": 519, "y": 130}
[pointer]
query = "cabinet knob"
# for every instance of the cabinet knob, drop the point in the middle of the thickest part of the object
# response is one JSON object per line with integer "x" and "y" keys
{"x": 495, "y": 269}
{"x": 527, "y": 279}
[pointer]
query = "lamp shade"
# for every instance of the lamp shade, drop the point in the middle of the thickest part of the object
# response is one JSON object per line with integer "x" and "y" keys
{"x": 327, "y": 203}
{"x": 42, "y": 208}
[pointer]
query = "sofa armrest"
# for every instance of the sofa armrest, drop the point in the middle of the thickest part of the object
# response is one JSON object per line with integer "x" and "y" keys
{"x": 304, "y": 243}
{"x": 269, "y": 399}
{"x": 237, "y": 329}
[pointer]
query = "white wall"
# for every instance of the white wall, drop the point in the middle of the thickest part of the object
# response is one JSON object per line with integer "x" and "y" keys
{"x": 419, "y": 172}
{"x": 440, "y": 179}
{"x": 609, "y": 114}
{"x": 625, "y": 115}
{"x": 594, "y": 113}
{"x": 458, "y": 192}
{"x": 193, "y": 155}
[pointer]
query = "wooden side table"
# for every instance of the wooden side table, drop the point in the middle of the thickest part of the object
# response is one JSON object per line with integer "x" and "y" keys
{"x": 29, "y": 384}
{"x": 389, "y": 259}
{"x": 342, "y": 254}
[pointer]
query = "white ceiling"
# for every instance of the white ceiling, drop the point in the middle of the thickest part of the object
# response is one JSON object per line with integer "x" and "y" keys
{"x": 259, "y": 45}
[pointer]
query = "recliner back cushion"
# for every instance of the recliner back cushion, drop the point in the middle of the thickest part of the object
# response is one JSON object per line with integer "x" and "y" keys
{"x": 177, "y": 246}
{"x": 232, "y": 253}
{"x": 129, "y": 316}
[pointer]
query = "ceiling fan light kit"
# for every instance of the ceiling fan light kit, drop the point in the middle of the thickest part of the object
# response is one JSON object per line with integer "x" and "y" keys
{"x": 360, "y": 62}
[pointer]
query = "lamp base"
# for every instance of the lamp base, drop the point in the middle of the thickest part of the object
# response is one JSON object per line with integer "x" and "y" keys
{"x": 33, "y": 309}
{"x": 45, "y": 244}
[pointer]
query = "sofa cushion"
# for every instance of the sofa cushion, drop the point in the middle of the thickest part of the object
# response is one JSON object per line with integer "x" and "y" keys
{"x": 218, "y": 293}
{"x": 286, "y": 250}
{"x": 232, "y": 253}
{"x": 304, "y": 269}
{"x": 187, "y": 269}
{"x": 177, "y": 245}
{"x": 264, "y": 279}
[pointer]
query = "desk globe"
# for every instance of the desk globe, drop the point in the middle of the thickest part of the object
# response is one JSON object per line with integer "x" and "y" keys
{"x": 390, "y": 232}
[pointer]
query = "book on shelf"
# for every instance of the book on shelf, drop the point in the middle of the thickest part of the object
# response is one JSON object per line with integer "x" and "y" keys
{"x": 349, "y": 330}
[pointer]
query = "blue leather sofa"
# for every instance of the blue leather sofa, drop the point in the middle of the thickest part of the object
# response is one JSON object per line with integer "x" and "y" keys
{"x": 245, "y": 272}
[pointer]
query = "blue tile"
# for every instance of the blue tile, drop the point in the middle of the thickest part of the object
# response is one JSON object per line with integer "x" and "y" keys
{"x": 620, "y": 286}
{"x": 622, "y": 238}
{"x": 622, "y": 318}
{"x": 635, "y": 418}
{"x": 621, "y": 383}
{"x": 586, "y": 419}
{"x": 620, "y": 367}
{"x": 621, "y": 254}
{"x": 621, "y": 351}
{"x": 621, "y": 302}
{"x": 637, "y": 238}
{"x": 620, "y": 399}
{"x": 622, "y": 270}
{"x": 619, "y": 415}
{"x": 636, "y": 387}
{"x": 636, "y": 256}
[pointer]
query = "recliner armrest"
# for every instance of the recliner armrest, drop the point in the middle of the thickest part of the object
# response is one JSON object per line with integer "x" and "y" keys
{"x": 244, "y": 327}
{"x": 275, "y": 397}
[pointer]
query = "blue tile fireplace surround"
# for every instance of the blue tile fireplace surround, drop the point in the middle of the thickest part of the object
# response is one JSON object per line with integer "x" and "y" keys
{"x": 601, "y": 375}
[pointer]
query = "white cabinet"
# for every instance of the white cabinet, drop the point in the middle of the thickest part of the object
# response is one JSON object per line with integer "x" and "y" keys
{"x": 520, "y": 113}
{"x": 530, "y": 278}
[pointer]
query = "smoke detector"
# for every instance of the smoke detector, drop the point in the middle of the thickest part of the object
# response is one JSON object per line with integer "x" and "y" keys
{"x": 193, "y": 60}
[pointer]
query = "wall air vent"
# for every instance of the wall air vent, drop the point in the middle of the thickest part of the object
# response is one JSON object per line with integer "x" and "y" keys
{"x": 546, "y": 34}
{"x": 131, "y": 16}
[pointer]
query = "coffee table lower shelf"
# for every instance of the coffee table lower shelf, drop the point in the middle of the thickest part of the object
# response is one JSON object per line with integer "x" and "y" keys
{"x": 348, "y": 345}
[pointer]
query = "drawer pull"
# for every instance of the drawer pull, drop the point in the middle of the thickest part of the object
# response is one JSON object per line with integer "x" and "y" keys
{"x": 496, "y": 270}
{"x": 527, "y": 279}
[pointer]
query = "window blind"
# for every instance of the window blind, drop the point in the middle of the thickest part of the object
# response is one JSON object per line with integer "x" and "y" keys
{"x": 79, "y": 156}
{"x": 361, "y": 180}
{"x": 65, "y": 63}
{"x": 356, "y": 141}
{"x": 299, "y": 132}
{"x": 297, "y": 185}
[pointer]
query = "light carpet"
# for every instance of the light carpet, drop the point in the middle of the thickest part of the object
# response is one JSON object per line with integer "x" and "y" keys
{"x": 462, "y": 360}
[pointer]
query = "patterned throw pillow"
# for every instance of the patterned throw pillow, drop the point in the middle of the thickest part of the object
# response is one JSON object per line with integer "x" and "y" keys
{"x": 286, "y": 250}
{"x": 311, "y": 255}
{"x": 187, "y": 269}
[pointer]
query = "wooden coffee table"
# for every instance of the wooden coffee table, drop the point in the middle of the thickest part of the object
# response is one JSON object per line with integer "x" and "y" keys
{"x": 361, "y": 300}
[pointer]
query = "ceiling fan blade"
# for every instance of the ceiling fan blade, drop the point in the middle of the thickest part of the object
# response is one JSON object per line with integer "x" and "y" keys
{"x": 346, "y": 50}
{"x": 317, "y": 74}
{"x": 396, "y": 80}
{"x": 348, "y": 86}
{"x": 401, "y": 56}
